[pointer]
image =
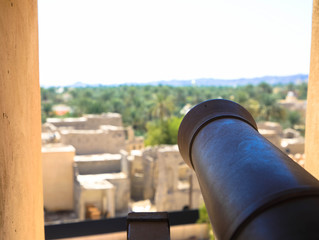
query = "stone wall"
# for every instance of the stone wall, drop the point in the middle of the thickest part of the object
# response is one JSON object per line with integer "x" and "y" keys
{"x": 160, "y": 175}
{"x": 272, "y": 136}
{"x": 175, "y": 192}
{"x": 137, "y": 176}
{"x": 73, "y": 123}
{"x": 99, "y": 163}
{"x": 108, "y": 139}
{"x": 88, "y": 122}
{"x": 94, "y": 121}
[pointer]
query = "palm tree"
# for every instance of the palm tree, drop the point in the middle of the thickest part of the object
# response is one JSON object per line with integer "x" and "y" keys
{"x": 163, "y": 106}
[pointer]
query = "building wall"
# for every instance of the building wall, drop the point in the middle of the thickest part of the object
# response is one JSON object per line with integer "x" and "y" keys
{"x": 75, "y": 123}
{"x": 105, "y": 163}
{"x": 119, "y": 181}
{"x": 149, "y": 187}
{"x": 136, "y": 144}
{"x": 122, "y": 192}
{"x": 103, "y": 199}
{"x": 272, "y": 136}
{"x": 95, "y": 121}
{"x": 21, "y": 203}
{"x": 58, "y": 178}
{"x": 88, "y": 122}
{"x": 167, "y": 181}
{"x": 97, "y": 167}
{"x": 94, "y": 141}
{"x": 137, "y": 176}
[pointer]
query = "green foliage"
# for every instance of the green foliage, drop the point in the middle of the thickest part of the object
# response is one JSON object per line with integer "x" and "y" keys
{"x": 204, "y": 218}
{"x": 162, "y": 132}
{"x": 203, "y": 215}
{"x": 155, "y": 110}
{"x": 294, "y": 118}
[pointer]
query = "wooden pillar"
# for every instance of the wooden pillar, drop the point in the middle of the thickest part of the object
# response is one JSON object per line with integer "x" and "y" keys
{"x": 312, "y": 117}
{"x": 21, "y": 198}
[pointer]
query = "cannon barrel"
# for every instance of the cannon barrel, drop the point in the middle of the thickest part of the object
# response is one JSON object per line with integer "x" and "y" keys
{"x": 251, "y": 189}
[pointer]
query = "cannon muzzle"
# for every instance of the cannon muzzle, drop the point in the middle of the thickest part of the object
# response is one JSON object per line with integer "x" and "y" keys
{"x": 251, "y": 189}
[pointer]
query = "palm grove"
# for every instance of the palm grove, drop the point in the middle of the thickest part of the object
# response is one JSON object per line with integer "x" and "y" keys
{"x": 155, "y": 111}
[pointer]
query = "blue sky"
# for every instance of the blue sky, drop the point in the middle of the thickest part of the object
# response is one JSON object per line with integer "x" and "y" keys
{"x": 106, "y": 42}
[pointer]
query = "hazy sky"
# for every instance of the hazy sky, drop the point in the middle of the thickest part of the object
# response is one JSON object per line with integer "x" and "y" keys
{"x": 114, "y": 41}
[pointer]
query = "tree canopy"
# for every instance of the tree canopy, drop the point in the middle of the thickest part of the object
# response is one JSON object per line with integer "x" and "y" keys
{"x": 155, "y": 111}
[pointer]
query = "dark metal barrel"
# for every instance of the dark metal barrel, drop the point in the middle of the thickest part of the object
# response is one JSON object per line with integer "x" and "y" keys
{"x": 251, "y": 189}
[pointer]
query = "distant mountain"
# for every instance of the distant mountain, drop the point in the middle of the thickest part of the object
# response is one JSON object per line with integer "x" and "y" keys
{"x": 83, "y": 85}
{"x": 296, "y": 79}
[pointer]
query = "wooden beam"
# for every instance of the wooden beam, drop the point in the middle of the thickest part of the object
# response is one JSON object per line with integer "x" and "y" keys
{"x": 312, "y": 115}
{"x": 21, "y": 198}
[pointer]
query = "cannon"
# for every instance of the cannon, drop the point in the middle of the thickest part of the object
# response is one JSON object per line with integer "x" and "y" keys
{"x": 251, "y": 189}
